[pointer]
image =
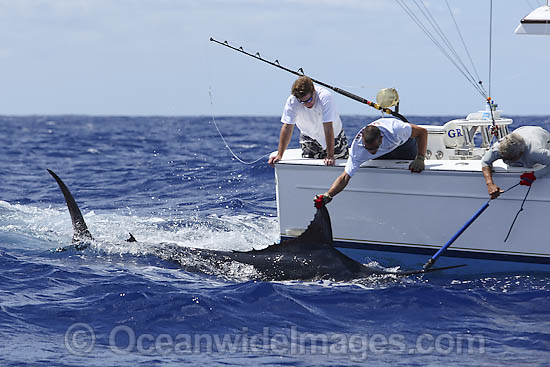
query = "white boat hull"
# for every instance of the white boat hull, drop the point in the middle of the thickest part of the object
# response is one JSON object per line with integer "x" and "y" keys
{"x": 394, "y": 217}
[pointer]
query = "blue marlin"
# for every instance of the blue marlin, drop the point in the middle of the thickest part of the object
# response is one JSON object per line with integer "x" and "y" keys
{"x": 310, "y": 256}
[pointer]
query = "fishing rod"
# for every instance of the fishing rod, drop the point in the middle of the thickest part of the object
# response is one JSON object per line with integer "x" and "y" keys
{"x": 300, "y": 72}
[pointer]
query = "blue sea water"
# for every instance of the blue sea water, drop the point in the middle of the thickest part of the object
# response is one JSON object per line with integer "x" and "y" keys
{"x": 171, "y": 180}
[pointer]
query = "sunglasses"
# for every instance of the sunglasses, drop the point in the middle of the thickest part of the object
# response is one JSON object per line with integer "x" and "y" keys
{"x": 308, "y": 100}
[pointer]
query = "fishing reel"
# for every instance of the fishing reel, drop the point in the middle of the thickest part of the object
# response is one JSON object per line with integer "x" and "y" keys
{"x": 387, "y": 98}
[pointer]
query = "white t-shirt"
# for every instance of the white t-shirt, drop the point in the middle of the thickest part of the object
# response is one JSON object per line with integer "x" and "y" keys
{"x": 394, "y": 133}
{"x": 310, "y": 120}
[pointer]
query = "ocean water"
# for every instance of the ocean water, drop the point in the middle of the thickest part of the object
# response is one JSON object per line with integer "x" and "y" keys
{"x": 172, "y": 180}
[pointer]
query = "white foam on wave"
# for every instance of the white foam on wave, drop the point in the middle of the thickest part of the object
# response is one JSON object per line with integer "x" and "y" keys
{"x": 45, "y": 229}
{"x": 53, "y": 227}
{"x": 45, "y": 224}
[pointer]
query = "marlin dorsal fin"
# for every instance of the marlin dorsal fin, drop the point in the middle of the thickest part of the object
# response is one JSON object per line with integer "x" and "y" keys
{"x": 80, "y": 230}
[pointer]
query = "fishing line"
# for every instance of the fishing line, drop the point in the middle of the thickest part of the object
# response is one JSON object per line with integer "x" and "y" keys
{"x": 223, "y": 139}
{"x": 490, "y": 44}
{"x": 463, "y": 43}
{"x": 439, "y": 39}
{"x": 510, "y": 188}
{"x": 517, "y": 214}
{"x": 520, "y": 209}
{"x": 435, "y": 25}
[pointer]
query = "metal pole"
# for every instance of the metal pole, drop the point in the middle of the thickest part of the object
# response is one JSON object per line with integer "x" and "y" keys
{"x": 432, "y": 260}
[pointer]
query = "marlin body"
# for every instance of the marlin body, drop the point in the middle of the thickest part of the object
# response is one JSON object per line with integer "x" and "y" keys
{"x": 310, "y": 256}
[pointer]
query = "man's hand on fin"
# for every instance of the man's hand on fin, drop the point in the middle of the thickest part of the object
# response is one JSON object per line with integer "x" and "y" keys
{"x": 322, "y": 200}
{"x": 418, "y": 164}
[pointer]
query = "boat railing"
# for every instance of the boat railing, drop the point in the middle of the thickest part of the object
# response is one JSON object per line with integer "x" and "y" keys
{"x": 467, "y": 138}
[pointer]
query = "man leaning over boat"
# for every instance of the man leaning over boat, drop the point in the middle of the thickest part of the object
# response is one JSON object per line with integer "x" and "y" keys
{"x": 385, "y": 138}
{"x": 311, "y": 108}
{"x": 525, "y": 147}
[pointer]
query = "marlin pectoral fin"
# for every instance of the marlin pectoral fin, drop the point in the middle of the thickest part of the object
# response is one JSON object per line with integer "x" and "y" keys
{"x": 423, "y": 271}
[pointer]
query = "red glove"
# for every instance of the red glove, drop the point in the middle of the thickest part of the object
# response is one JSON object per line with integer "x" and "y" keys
{"x": 322, "y": 200}
{"x": 527, "y": 178}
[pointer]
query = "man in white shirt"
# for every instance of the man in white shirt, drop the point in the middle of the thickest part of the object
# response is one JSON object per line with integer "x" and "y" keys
{"x": 312, "y": 109}
{"x": 385, "y": 138}
{"x": 525, "y": 147}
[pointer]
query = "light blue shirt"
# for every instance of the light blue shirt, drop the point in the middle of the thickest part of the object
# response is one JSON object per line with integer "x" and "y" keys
{"x": 537, "y": 144}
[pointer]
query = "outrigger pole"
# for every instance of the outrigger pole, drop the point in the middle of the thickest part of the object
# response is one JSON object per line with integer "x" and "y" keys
{"x": 300, "y": 72}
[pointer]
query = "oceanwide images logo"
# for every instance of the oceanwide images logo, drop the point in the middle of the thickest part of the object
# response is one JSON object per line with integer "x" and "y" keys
{"x": 80, "y": 339}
